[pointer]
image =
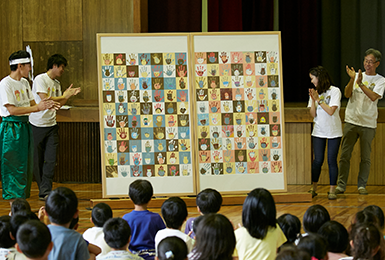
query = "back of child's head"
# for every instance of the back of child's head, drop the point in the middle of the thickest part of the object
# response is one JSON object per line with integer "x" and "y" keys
{"x": 74, "y": 223}
{"x": 293, "y": 253}
{"x": 61, "y": 205}
{"x": 315, "y": 245}
{"x": 5, "y": 227}
{"x": 366, "y": 217}
{"x": 20, "y": 204}
{"x": 140, "y": 192}
{"x": 33, "y": 239}
{"x": 174, "y": 212}
{"x": 172, "y": 248}
{"x": 314, "y": 217}
{"x": 367, "y": 241}
{"x": 336, "y": 235}
{"x": 377, "y": 211}
{"x": 100, "y": 214}
{"x": 19, "y": 219}
{"x": 215, "y": 238}
{"x": 209, "y": 201}
{"x": 291, "y": 227}
{"x": 259, "y": 213}
{"x": 117, "y": 233}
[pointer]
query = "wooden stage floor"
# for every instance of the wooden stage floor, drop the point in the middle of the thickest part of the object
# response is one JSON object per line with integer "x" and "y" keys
{"x": 342, "y": 210}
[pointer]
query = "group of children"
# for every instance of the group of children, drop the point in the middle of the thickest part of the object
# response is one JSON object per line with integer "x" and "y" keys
{"x": 209, "y": 236}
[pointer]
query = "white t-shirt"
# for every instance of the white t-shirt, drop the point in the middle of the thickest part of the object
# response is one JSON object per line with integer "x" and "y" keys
{"x": 14, "y": 92}
{"x": 361, "y": 110}
{"x": 44, "y": 84}
{"x": 95, "y": 236}
{"x": 249, "y": 247}
{"x": 167, "y": 232}
{"x": 325, "y": 125}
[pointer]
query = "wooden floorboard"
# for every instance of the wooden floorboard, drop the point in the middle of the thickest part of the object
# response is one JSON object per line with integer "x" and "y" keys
{"x": 342, "y": 210}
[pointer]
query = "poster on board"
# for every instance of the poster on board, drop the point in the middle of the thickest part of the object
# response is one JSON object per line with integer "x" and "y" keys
{"x": 239, "y": 103}
{"x": 145, "y": 116}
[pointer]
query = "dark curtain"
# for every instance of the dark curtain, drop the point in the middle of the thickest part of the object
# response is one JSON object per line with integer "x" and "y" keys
{"x": 174, "y": 16}
{"x": 224, "y": 15}
{"x": 258, "y": 15}
{"x": 299, "y": 23}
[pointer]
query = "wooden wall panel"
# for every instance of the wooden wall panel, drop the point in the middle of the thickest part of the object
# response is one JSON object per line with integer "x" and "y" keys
{"x": 51, "y": 20}
{"x": 298, "y": 153}
{"x": 72, "y": 51}
{"x": 102, "y": 17}
{"x": 10, "y": 33}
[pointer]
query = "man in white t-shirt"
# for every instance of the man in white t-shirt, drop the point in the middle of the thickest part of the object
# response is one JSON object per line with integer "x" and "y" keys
{"x": 44, "y": 126}
{"x": 16, "y": 103}
{"x": 363, "y": 90}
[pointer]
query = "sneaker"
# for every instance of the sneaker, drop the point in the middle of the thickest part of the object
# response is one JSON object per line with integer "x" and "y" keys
{"x": 332, "y": 196}
{"x": 362, "y": 191}
{"x": 44, "y": 198}
{"x": 313, "y": 193}
{"x": 339, "y": 190}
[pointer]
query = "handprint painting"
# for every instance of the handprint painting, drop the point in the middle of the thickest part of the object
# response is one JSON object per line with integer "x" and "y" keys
{"x": 146, "y": 114}
{"x": 239, "y": 115}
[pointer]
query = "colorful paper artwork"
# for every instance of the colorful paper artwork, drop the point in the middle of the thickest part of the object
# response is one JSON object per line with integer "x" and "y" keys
{"x": 239, "y": 113}
{"x": 146, "y": 114}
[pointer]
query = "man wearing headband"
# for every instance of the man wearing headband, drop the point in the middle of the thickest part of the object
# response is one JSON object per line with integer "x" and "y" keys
{"x": 43, "y": 123}
{"x": 16, "y": 150}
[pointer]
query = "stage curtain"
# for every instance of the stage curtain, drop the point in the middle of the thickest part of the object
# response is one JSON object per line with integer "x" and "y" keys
{"x": 258, "y": 15}
{"x": 224, "y": 15}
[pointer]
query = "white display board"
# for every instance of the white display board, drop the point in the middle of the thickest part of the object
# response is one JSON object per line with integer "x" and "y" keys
{"x": 240, "y": 119}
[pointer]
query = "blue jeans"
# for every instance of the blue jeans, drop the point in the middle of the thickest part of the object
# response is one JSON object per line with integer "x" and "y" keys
{"x": 319, "y": 145}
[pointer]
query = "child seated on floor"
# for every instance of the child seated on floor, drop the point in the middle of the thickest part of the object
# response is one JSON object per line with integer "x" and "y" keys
{"x": 208, "y": 201}
{"x": 7, "y": 244}
{"x": 315, "y": 245}
{"x": 260, "y": 236}
{"x": 20, "y": 204}
{"x": 34, "y": 240}
{"x": 337, "y": 237}
{"x": 100, "y": 214}
{"x": 292, "y": 253}
{"x": 143, "y": 223}
{"x": 61, "y": 207}
{"x": 174, "y": 212}
{"x": 291, "y": 227}
{"x": 314, "y": 217}
{"x": 377, "y": 211}
{"x": 172, "y": 248}
{"x": 117, "y": 235}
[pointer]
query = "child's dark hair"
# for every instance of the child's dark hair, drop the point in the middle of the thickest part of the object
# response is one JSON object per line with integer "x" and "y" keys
{"x": 291, "y": 227}
{"x": 56, "y": 59}
{"x": 314, "y": 217}
{"x": 376, "y": 211}
{"x": 140, "y": 192}
{"x": 336, "y": 235}
{"x": 172, "y": 248}
{"x": 215, "y": 238}
{"x": 19, "y": 219}
{"x": 195, "y": 226}
{"x": 259, "y": 213}
{"x": 209, "y": 201}
{"x": 61, "y": 205}
{"x": 366, "y": 217}
{"x": 174, "y": 212}
{"x": 293, "y": 253}
{"x": 74, "y": 223}
{"x": 20, "y": 204}
{"x": 18, "y": 55}
{"x": 33, "y": 238}
{"x": 5, "y": 227}
{"x": 100, "y": 214}
{"x": 367, "y": 241}
{"x": 324, "y": 79}
{"x": 117, "y": 233}
{"x": 315, "y": 245}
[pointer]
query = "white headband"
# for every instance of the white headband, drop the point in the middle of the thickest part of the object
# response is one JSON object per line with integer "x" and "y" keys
{"x": 19, "y": 61}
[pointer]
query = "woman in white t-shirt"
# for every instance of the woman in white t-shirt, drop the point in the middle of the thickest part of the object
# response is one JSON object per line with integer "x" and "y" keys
{"x": 324, "y": 104}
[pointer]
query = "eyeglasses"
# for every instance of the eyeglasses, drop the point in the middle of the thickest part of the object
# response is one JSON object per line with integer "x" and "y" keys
{"x": 370, "y": 62}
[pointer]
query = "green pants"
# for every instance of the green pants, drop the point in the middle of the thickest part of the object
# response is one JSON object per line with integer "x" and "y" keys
{"x": 16, "y": 151}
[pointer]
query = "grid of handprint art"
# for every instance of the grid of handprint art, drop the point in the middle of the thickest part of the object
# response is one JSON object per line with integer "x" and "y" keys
{"x": 239, "y": 113}
{"x": 146, "y": 114}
